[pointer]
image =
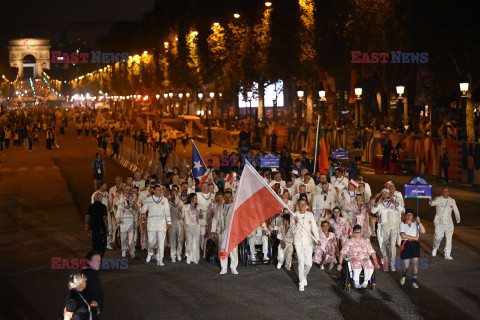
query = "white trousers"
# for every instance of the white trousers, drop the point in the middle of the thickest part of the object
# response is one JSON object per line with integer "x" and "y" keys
{"x": 192, "y": 245}
{"x": 203, "y": 230}
{"x": 285, "y": 255}
{"x": 387, "y": 239}
{"x": 233, "y": 260}
{"x": 304, "y": 256}
{"x": 263, "y": 240}
{"x": 441, "y": 230}
{"x": 127, "y": 233}
{"x": 112, "y": 227}
{"x": 153, "y": 237}
{"x": 176, "y": 238}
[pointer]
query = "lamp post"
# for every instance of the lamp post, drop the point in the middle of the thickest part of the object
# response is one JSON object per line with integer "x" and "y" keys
{"x": 180, "y": 97}
{"x": 212, "y": 96}
{"x": 172, "y": 106}
{"x": 358, "y": 106}
{"x": 469, "y": 111}
{"x": 400, "y": 92}
{"x": 187, "y": 96}
{"x": 323, "y": 98}
{"x": 300, "y": 95}
{"x": 200, "y": 97}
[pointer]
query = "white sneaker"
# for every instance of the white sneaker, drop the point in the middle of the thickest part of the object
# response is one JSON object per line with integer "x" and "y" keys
{"x": 434, "y": 252}
{"x": 132, "y": 254}
{"x": 124, "y": 253}
{"x": 357, "y": 285}
{"x": 173, "y": 259}
{"x": 392, "y": 266}
{"x": 223, "y": 271}
{"x": 448, "y": 257}
{"x": 402, "y": 281}
{"x": 195, "y": 262}
{"x": 188, "y": 260}
{"x": 305, "y": 283}
{"x": 265, "y": 257}
{"x": 109, "y": 247}
{"x": 365, "y": 284}
{"x": 414, "y": 285}
{"x": 179, "y": 257}
{"x": 234, "y": 271}
{"x": 330, "y": 267}
{"x": 322, "y": 267}
{"x": 301, "y": 287}
{"x": 279, "y": 265}
{"x": 253, "y": 258}
{"x": 149, "y": 258}
{"x": 160, "y": 263}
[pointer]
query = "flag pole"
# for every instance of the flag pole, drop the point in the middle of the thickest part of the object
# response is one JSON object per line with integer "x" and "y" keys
{"x": 278, "y": 198}
{"x": 316, "y": 147}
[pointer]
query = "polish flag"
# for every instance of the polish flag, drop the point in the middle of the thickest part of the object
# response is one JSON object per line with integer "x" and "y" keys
{"x": 349, "y": 232}
{"x": 229, "y": 177}
{"x": 255, "y": 202}
{"x": 353, "y": 183}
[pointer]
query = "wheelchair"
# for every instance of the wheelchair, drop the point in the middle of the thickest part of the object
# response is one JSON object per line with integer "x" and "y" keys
{"x": 245, "y": 257}
{"x": 347, "y": 279}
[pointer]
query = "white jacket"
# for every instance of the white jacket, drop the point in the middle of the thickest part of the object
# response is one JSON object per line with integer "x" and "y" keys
{"x": 301, "y": 236}
{"x": 158, "y": 213}
{"x": 444, "y": 210}
{"x": 388, "y": 216}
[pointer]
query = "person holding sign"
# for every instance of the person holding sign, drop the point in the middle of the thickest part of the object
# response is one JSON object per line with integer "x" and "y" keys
{"x": 410, "y": 249}
{"x": 443, "y": 221}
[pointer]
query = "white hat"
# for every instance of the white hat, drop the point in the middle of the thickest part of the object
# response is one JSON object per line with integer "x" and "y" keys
{"x": 295, "y": 172}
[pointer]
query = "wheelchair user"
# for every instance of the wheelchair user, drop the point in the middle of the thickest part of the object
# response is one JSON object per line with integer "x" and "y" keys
{"x": 259, "y": 236}
{"x": 357, "y": 251}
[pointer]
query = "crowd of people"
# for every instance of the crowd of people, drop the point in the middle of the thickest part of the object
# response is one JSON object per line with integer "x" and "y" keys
{"x": 343, "y": 219}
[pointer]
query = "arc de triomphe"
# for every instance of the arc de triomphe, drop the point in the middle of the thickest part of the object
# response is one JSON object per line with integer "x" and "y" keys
{"x": 20, "y": 51}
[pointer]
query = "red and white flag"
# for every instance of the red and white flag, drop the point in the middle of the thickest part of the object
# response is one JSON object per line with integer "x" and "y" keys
{"x": 255, "y": 202}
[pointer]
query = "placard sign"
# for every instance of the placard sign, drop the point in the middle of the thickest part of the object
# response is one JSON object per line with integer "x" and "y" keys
{"x": 269, "y": 161}
{"x": 418, "y": 188}
{"x": 340, "y": 154}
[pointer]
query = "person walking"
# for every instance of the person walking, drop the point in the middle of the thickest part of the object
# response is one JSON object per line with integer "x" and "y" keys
{"x": 96, "y": 222}
{"x": 445, "y": 163}
{"x": 77, "y": 306}
{"x": 98, "y": 167}
{"x": 93, "y": 291}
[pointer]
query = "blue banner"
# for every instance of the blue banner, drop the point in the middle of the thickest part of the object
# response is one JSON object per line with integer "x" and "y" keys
{"x": 269, "y": 161}
{"x": 418, "y": 188}
{"x": 340, "y": 154}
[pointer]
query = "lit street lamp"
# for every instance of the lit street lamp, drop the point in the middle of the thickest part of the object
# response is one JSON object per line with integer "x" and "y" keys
{"x": 464, "y": 89}
{"x": 250, "y": 96}
{"x": 401, "y": 92}
{"x": 358, "y": 106}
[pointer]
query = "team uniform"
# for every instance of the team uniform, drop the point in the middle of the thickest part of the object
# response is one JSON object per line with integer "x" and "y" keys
{"x": 175, "y": 233}
{"x": 191, "y": 219}
{"x": 158, "y": 210}
{"x": 219, "y": 225}
{"x": 444, "y": 223}
{"x": 126, "y": 213}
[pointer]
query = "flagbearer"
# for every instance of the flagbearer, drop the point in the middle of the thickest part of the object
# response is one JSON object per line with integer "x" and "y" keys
{"x": 158, "y": 222}
{"x": 303, "y": 241}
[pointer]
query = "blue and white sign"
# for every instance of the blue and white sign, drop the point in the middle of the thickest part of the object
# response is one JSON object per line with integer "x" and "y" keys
{"x": 418, "y": 188}
{"x": 269, "y": 161}
{"x": 340, "y": 154}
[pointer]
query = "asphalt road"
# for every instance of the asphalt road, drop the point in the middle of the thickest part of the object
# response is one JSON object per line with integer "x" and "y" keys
{"x": 44, "y": 195}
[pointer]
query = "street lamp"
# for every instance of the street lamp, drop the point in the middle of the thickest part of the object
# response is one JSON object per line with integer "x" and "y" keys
{"x": 358, "y": 106}
{"x": 180, "y": 95}
{"x": 236, "y": 15}
{"x": 358, "y": 93}
{"x": 300, "y": 94}
{"x": 268, "y": 4}
{"x": 250, "y": 97}
{"x": 212, "y": 95}
{"x": 464, "y": 89}
{"x": 400, "y": 91}
{"x": 321, "y": 94}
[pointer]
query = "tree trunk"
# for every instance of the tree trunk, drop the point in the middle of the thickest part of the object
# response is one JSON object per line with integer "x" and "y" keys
{"x": 261, "y": 100}
{"x": 470, "y": 118}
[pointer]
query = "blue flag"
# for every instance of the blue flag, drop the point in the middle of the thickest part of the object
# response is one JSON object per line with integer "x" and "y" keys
{"x": 199, "y": 169}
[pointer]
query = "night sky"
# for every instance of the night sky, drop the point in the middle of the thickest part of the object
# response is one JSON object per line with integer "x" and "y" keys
{"x": 85, "y": 19}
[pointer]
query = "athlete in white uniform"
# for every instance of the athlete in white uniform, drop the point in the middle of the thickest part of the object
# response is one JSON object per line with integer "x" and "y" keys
{"x": 126, "y": 218}
{"x": 303, "y": 241}
{"x": 204, "y": 199}
{"x": 443, "y": 221}
{"x": 157, "y": 223}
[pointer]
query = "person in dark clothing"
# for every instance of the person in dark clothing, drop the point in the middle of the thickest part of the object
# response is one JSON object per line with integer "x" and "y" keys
{"x": 93, "y": 292}
{"x": 387, "y": 150}
{"x": 273, "y": 142}
{"x": 96, "y": 222}
{"x": 76, "y": 306}
{"x": 116, "y": 148}
{"x": 209, "y": 137}
{"x": 445, "y": 163}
